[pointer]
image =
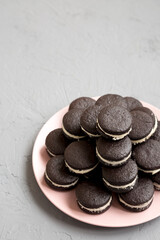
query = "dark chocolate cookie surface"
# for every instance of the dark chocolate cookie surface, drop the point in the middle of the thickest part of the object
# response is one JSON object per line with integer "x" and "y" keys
{"x": 146, "y": 110}
{"x": 88, "y": 120}
{"x": 142, "y": 126}
{"x": 111, "y": 100}
{"x": 80, "y": 157}
{"x": 147, "y": 156}
{"x": 82, "y": 103}
{"x": 93, "y": 198}
{"x": 132, "y": 103}
{"x": 56, "y": 142}
{"x": 140, "y": 197}
{"x": 57, "y": 175}
{"x": 71, "y": 124}
{"x": 114, "y": 120}
{"x": 113, "y": 152}
{"x": 121, "y": 175}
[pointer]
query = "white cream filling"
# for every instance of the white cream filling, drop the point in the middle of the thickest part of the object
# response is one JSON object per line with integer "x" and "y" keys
{"x": 97, "y": 209}
{"x": 122, "y": 186}
{"x": 58, "y": 185}
{"x": 157, "y": 186}
{"x": 150, "y": 171}
{"x": 115, "y": 136}
{"x": 137, "y": 206}
{"x": 90, "y": 134}
{"x": 110, "y": 162}
{"x": 80, "y": 171}
{"x": 148, "y": 136}
{"x": 50, "y": 152}
{"x": 71, "y": 135}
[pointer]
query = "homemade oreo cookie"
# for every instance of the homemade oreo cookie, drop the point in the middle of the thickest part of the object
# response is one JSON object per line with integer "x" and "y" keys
{"x": 56, "y": 142}
{"x": 71, "y": 124}
{"x": 147, "y": 156}
{"x": 115, "y": 122}
{"x": 144, "y": 124}
{"x": 82, "y": 103}
{"x": 140, "y": 197}
{"x": 80, "y": 157}
{"x": 149, "y": 111}
{"x": 121, "y": 179}
{"x": 113, "y": 153}
{"x": 57, "y": 176}
{"x": 93, "y": 198}
{"x": 88, "y": 121}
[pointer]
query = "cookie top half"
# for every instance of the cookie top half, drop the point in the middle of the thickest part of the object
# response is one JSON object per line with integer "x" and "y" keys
{"x": 111, "y": 100}
{"x": 142, "y": 193}
{"x": 56, "y": 142}
{"x": 71, "y": 124}
{"x": 80, "y": 157}
{"x": 115, "y": 121}
{"x": 121, "y": 175}
{"x": 88, "y": 120}
{"x": 144, "y": 125}
{"x": 147, "y": 156}
{"x": 113, "y": 153}
{"x": 58, "y": 175}
{"x": 146, "y": 110}
{"x": 92, "y": 195}
{"x": 132, "y": 103}
{"x": 82, "y": 103}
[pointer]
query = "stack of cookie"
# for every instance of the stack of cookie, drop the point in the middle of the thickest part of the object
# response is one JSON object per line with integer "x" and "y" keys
{"x": 104, "y": 146}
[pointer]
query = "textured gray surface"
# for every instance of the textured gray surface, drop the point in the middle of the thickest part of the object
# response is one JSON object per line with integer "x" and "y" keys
{"x": 52, "y": 51}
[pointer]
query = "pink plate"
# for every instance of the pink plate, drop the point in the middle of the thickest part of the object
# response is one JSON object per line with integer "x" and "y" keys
{"x": 116, "y": 216}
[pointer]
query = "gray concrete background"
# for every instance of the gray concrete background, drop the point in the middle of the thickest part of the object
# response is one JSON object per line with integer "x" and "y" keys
{"x": 52, "y": 51}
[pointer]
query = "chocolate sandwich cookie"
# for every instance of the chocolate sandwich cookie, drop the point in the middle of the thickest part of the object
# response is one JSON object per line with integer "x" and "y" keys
{"x": 57, "y": 176}
{"x": 88, "y": 121}
{"x": 156, "y": 135}
{"x": 149, "y": 111}
{"x": 115, "y": 122}
{"x": 93, "y": 198}
{"x": 156, "y": 181}
{"x": 113, "y": 153}
{"x": 144, "y": 124}
{"x": 80, "y": 157}
{"x": 132, "y": 103}
{"x": 147, "y": 156}
{"x": 71, "y": 124}
{"x": 111, "y": 100}
{"x": 56, "y": 142}
{"x": 140, "y": 197}
{"x": 121, "y": 179}
{"x": 82, "y": 103}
